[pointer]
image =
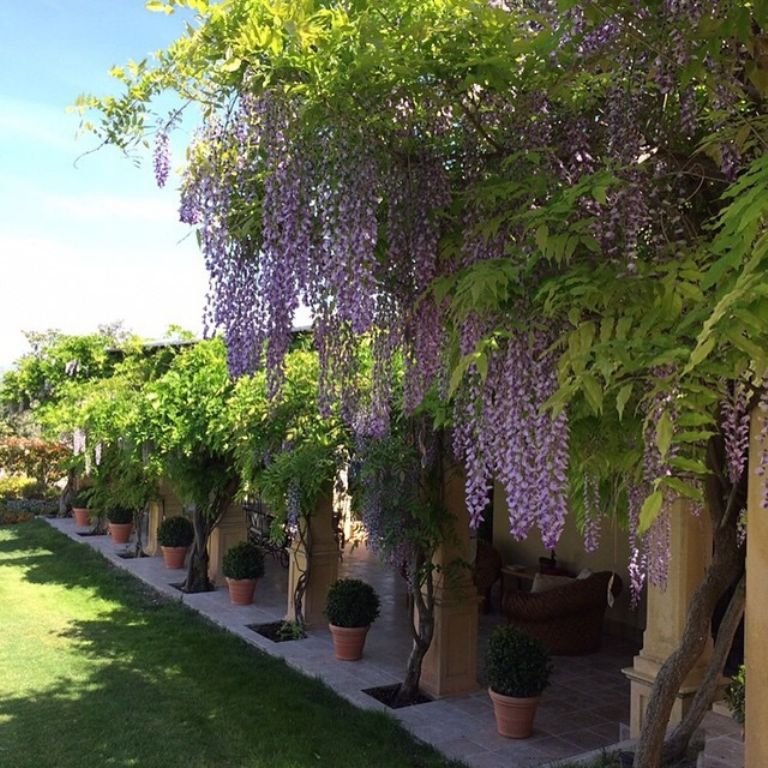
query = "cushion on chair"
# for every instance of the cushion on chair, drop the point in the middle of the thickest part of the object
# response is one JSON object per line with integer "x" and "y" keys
{"x": 544, "y": 582}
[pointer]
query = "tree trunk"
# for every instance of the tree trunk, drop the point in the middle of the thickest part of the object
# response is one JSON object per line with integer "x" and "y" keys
{"x": 138, "y": 522}
{"x": 726, "y": 568}
{"x": 197, "y": 573}
{"x": 67, "y": 494}
{"x": 422, "y": 634}
{"x": 677, "y": 744}
{"x": 305, "y": 545}
{"x": 204, "y": 521}
{"x": 99, "y": 526}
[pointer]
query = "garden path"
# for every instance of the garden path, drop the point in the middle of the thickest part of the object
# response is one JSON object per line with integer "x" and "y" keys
{"x": 584, "y": 710}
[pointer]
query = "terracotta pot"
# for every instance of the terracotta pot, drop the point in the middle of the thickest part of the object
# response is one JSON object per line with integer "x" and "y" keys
{"x": 82, "y": 516}
{"x": 174, "y": 557}
{"x": 514, "y": 716}
{"x": 348, "y": 642}
{"x": 241, "y": 591}
{"x": 120, "y": 532}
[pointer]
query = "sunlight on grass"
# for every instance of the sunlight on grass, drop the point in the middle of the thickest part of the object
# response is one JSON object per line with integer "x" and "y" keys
{"x": 96, "y": 670}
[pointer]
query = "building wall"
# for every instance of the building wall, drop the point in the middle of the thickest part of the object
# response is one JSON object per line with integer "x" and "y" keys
{"x": 611, "y": 555}
{"x": 172, "y": 505}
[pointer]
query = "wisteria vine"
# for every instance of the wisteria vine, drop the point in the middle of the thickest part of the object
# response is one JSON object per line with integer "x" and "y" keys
{"x": 356, "y": 223}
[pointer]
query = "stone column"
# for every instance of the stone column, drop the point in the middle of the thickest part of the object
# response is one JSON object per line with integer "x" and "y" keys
{"x": 168, "y": 505}
{"x": 756, "y": 612}
{"x": 450, "y": 666}
{"x": 231, "y": 530}
{"x": 322, "y": 559}
{"x": 155, "y": 515}
{"x": 691, "y": 553}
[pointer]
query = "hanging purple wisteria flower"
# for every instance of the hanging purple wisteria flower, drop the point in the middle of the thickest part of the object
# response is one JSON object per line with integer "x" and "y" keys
{"x": 162, "y": 157}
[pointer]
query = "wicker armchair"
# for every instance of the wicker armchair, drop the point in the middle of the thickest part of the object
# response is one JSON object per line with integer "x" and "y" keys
{"x": 567, "y": 619}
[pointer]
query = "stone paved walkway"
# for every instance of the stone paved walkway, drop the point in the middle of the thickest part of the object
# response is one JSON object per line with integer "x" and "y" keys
{"x": 584, "y": 709}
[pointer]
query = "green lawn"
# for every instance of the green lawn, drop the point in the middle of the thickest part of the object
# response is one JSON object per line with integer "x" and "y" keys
{"x": 96, "y": 670}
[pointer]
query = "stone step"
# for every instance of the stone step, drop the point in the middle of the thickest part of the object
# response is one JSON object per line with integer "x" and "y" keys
{"x": 721, "y": 752}
{"x": 707, "y": 761}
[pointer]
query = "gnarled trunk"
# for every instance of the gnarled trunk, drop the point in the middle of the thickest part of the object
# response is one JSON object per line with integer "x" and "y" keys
{"x": 726, "y": 568}
{"x": 197, "y": 572}
{"x": 305, "y": 545}
{"x": 204, "y": 521}
{"x": 422, "y": 626}
{"x": 138, "y": 524}
{"x": 67, "y": 494}
{"x": 677, "y": 744}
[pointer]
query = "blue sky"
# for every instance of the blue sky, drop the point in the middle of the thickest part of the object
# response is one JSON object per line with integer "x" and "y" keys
{"x": 92, "y": 244}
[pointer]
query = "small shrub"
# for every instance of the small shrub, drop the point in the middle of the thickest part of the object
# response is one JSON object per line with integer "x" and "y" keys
{"x": 290, "y": 630}
{"x": 120, "y": 515}
{"x": 20, "y": 486}
{"x": 176, "y": 532}
{"x": 352, "y": 603}
{"x": 734, "y": 694}
{"x": 516, "y": 663}
{"x": 10, "y": 518}
{"x": 21, "y": 510}
{"x": 244, "y": 561}
{"x": 82, "y": 498}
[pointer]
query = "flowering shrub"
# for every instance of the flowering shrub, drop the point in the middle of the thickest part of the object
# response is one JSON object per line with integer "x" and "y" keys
{"x": 20, "y": 486}
{"x": 42, "y": 459}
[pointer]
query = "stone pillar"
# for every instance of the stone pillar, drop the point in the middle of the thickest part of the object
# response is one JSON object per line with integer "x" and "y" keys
{"x": 231, "y": 530}
{"x": 756, "y": 612}
{"x": 691, "y": 553}
{"x": 167, "y": 505}
{"x": 450, "y": 665}
{"x": 323, "y": 560}
{"x": 155, "y": 515}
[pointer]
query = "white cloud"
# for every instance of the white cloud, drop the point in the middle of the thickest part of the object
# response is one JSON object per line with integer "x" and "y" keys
{"x": 49, "y": 284}
{"x": 113, "y": 207}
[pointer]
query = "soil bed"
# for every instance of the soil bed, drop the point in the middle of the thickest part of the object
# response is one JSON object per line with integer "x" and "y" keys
{"x": 387, "y": 694}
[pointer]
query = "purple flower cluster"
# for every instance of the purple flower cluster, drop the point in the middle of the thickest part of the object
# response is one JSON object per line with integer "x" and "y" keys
{"x": 293, "y": 508}
{"x": 762, "y": 469}
{"x": 735, "y": 425}
{"x": 501, "y": 430}
{"x": 414, "y": 194}
{"x": 162, "y": 157}
{"x": 637, "y": 558}
{"x": 592, "y": 513}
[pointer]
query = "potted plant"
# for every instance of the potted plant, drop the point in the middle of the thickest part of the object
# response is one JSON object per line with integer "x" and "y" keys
{"x": 120, "y": 524}
{"x": 80, "y": 507}
{"x": 518, "y": 669}
{"x": 352, "y": 607}
{"x": 175, "y": 534}
{"x": 243, "y": 564}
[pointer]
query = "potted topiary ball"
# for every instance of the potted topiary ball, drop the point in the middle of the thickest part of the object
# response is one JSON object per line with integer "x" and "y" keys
{"x": 174, "y": 535}
{"x": 518, "y": 669}
{"x": 351, "y": 608}
{"x": 243, "y": 565}
{"x": 80, "y": 507}
{"x": 120, "y": 524}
